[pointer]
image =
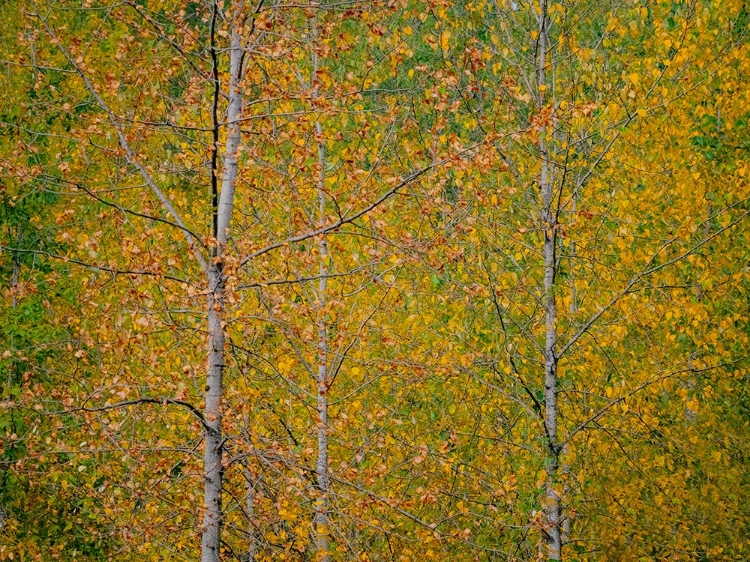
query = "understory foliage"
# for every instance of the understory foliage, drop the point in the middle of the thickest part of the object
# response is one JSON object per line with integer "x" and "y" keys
{"x": 482, "y": 285}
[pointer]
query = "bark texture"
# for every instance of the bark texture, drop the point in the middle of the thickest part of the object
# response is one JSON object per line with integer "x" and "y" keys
{"x": 212, "y": 459}
{"x": 214, "y": 435}
{"x": 549, "y": 224}
{"x": 322, "y": 382}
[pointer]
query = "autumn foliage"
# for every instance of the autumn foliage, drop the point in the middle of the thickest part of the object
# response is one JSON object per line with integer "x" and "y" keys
{"x": 380, "y": 280}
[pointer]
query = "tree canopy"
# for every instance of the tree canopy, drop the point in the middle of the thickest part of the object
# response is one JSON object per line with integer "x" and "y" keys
{"x": 374, "y": 280}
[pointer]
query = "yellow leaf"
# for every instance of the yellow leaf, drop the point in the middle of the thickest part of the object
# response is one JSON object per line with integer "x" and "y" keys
{"x": 444, "y": 40}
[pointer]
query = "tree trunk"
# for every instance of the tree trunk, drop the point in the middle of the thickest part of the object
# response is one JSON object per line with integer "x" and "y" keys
{"x": 322, "y": 522}
{"x": 214, "y": 437}
{"x": 321, "y": 466}
{"x": 549, "y": 224}
{"x": 212, "y": 460}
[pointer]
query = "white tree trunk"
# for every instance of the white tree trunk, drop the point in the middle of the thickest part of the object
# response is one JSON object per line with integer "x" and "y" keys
{"x": 214, "y": 437}
{"x": 322, "y": 523}
{"x": 549, "y": 224}
{"x": 321, "y": 520}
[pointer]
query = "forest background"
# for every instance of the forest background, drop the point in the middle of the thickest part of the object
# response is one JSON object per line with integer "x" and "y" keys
{"x": 378, "y": 280}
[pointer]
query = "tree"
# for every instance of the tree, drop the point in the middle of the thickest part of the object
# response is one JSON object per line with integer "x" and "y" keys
{"x": 415, "y": 279}
{"x": 578, "y": 229}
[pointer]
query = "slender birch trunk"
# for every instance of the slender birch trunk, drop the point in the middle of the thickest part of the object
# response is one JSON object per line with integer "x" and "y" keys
{"x": 565, "y": 468}
{"x": 549, "y": 223}
{"x": 322, "y": 522}
{"x": 214, "y": 437}
{"x": 212, "y": 460}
